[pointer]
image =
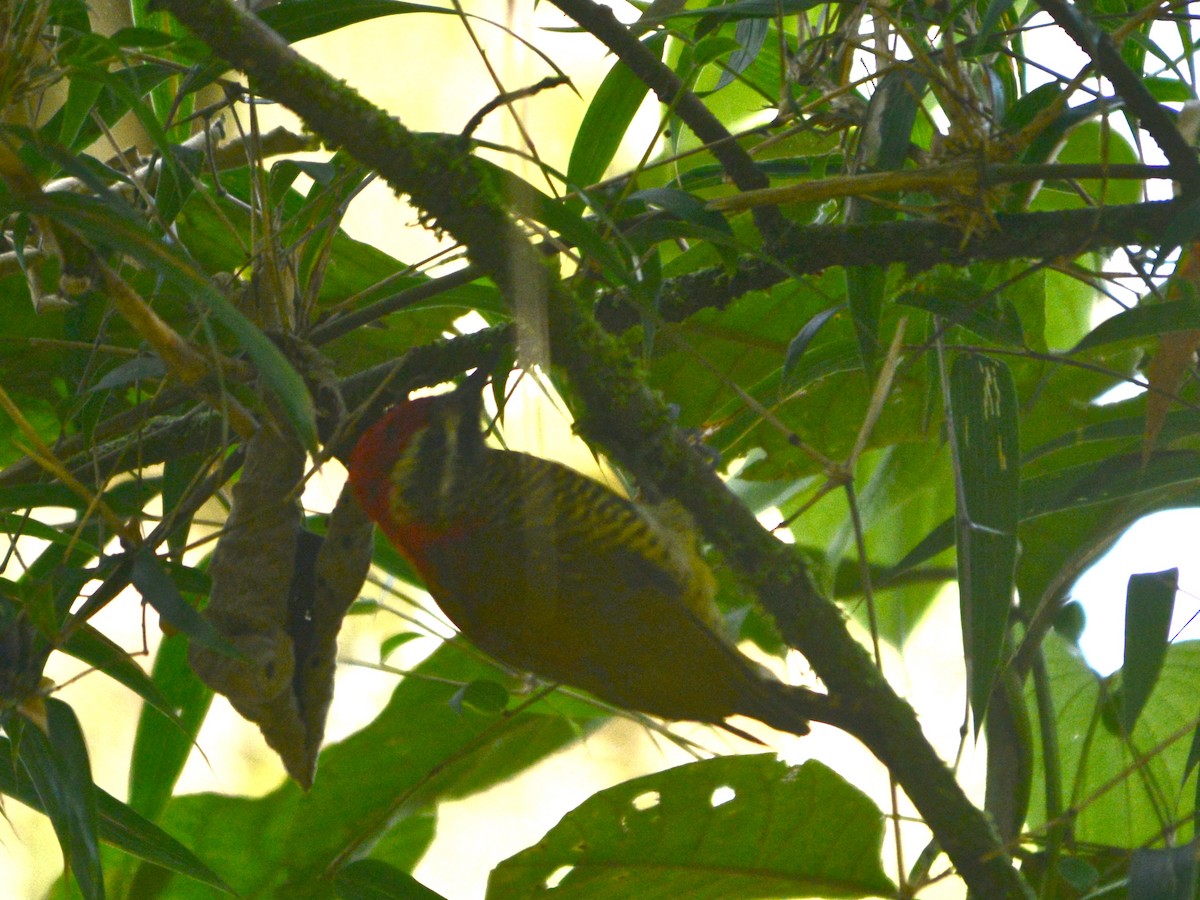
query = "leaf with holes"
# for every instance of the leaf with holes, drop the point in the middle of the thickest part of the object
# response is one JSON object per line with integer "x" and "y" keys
{"x": 723, "y": 827}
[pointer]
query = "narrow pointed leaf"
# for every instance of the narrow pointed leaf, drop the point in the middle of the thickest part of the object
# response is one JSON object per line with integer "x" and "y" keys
{"x": 61, "y": 775}
{"x": 119, "y": 826}
{"x": 371, "y": 879}
{"x": 100, "y": 652}
{"x": 157, "y": 589}
{"x": 1149, "y": 602}
{"x": 607, "y": 118}
{"x": 1144, "y": 320}
{"x": 803, "y": 338}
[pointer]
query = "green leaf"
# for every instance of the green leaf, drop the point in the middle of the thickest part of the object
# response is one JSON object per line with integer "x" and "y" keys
{"x": 163, "y": 742}
{"x": 963, "y": 303}
{"x": 1114, "y": 804}
{"x": 1149, "y": 602}
{"x": 737, "y": 826}
{"x": 1074, "y": 488}
{"x": 983, "y": 398}
{"x": 116, "y": 90}
{"x": 864, "y": 295}
{"x": 803, "y": 338}
{"x": 160, "y": 591}
{"x": 167, "y": 100}
{"x": 751, "y": 34}
{"x": 1144, "y": 320}
{"x": 686, "y": 207}
{"x": 110, "y": 224}
{"x": 1113, "y": 478}
{"x": 370, "y": 879}
{"x": 119, "y": 826}
{"x": 180, "y": 475}
{"x": 60, "y": 774}
{"x": 482, "y": 695}
{"x": 98, "y": 651}
{"x": 607, "y": 119}
{"x": 396, "y": 640}
{"x": 25, "y": 526}
{"x": 82, "y": 97}
{"x": 366, "y": 784}
{"x": 298, "y": 20}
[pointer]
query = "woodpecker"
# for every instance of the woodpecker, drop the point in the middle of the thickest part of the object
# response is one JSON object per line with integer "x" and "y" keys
{"x": 551, "y": 572}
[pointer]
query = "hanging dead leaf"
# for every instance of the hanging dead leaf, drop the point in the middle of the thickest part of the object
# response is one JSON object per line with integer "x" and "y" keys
{"x": 252, "y": 573}
{"x": 279, "y": 594}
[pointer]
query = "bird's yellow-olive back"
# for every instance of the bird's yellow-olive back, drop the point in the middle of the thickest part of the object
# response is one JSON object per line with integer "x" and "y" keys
{"x": 553, "y": 573}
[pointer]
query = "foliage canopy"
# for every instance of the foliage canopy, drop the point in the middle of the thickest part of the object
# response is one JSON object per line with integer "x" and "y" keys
{"x": 858, "y": 262}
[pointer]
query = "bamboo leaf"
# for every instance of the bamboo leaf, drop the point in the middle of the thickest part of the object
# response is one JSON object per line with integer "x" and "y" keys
{"x": 983, "y": 398}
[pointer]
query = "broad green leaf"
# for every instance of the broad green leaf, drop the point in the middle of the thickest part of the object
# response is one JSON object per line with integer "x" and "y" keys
{"x": 903, "y": 490}
{"x": 1120, "y": 787}
{"x": 1149, "y": 602}
{"x": 406, "y": 841}
{"x": 983, "y": 400}
{"x": 482, "y": 695}
{"x": 416, "y": 752}
{"x": 738, "y": 826}
{"x": 1092, "y": 142}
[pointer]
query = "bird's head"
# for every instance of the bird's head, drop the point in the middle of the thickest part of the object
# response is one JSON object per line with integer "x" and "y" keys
{"x": 417, "y": 444}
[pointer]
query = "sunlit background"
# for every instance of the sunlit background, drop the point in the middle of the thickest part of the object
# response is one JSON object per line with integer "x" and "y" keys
{"x": 429, "y": 74}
